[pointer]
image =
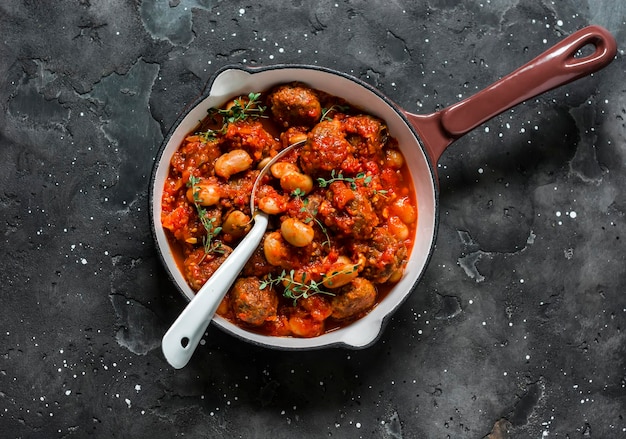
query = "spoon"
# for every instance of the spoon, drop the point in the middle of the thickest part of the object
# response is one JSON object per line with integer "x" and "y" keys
{"x": 182, "y": 338}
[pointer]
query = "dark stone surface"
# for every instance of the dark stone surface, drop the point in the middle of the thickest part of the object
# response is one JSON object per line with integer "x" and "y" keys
{"x": 516, "y": 331}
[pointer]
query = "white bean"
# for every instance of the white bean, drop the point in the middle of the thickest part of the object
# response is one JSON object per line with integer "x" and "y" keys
{"x": 292, "y": 181}
{"x": 341, "y": 273}
{"x": 274, "y": 249}
{"x": 404, "y": 210}
{"x": 398, "y": 228}
{"x": 394, "y": 158}
{"x": 204, "y": 194}
{"x": 232, "y": 162}
{"x": 271, "y": 205}
{"x": 281, "y": 168}
{"x": 296, "y": 232}
{"x": 236, "y": 223}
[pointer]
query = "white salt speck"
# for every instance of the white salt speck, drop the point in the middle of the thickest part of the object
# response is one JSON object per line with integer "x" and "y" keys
{"x": 559, "y": 23}
{"x": 137, "y": 388}
{"x": 558, "y": 214}
{"x": 572, "y": 214}
{"x": 527, "y": 357}
{"x": 242, "y": 11}
{"x": 83, "y": 261}
{"x": 127, "y": 401}
{"x": 480, "y": 170}
{"x": 486, "y": 129}
{"x": 68, "y": 392}
{"x": 471, "y": 301}
{"x": 358, "y": 425}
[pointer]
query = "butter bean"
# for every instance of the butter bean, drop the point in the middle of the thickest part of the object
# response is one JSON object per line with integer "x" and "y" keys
{"x": 232, "y": 162}
{"x": 281, "y": 168}
{"x": 340, "y": 273}
{"x": 236, "y": 223}
{"x": 296, "y": 232}
{"x": 204, "y": 194}
{"x": 296, "y": 180}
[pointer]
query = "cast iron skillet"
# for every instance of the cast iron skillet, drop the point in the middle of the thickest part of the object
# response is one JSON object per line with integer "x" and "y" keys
{"x": 422, "y": 140}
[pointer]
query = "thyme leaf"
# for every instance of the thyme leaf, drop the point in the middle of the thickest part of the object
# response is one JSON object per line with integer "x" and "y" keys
{"x": 294, "y": 289}
{"x": 352, "y": 181}
{"x": 208, "y": 241}
{"x": 299, "y": 193}
{"x": 242, "y": 109}
{"x": 326, "y": 111}
{"x": 338, "y": 176}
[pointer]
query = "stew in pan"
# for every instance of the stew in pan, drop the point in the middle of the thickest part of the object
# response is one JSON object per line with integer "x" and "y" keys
{"x": 343, "y": 212}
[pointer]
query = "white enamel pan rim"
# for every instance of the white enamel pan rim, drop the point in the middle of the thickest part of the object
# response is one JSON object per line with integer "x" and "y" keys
{"x": 232, "y": 81}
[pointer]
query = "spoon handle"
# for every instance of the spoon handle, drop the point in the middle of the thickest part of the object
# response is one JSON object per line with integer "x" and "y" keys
{"x": 181, "y": 340}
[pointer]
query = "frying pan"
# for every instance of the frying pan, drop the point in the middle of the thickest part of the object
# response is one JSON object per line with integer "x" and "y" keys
{"x": 422, "y": 140}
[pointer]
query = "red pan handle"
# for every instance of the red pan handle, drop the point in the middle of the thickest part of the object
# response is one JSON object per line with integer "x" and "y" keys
{"x": 557, "y": 66}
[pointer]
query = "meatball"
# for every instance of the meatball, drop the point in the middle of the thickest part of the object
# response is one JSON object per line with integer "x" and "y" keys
{"x": 327, "y": 149}
{"x": 199, "y": 266}
{"x": 367, "y": 133}
{"x": 250, "y": 303}
{"x": 348, "y": 211}
{"x": 384, "y": 254}
{"x": 353, "y": 299}
{"x": 295, "y": 105}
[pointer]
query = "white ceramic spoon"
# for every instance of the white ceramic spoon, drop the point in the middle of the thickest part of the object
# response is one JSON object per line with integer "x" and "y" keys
{"x": 181, "y": 340}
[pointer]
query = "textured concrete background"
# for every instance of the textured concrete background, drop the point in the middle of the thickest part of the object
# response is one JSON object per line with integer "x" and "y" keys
{"x": 516, "y": 330}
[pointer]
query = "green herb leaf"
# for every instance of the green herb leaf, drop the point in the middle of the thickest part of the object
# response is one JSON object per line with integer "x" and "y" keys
{"x": 294, "y": 289}
{"x": 208, "y": 241}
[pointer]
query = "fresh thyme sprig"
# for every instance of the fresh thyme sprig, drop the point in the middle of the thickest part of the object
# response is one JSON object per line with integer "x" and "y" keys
{"x": 210, "y": 245}
{"x": 294, "y": 289}
{"x": 242, "y": 109}
{"x": 299, "y": 193}
{"x": 338, "y": 176}
{"x": 336, "y": 107}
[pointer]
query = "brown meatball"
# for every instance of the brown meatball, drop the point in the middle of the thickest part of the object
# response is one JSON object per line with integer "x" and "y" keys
{"x": 327, "y": 149}
{"x": 353, "y": 299}
{"x": 200, "y": 266}
{"x": 384, "y": 254}
{"x": 250, "y": 303}
{"x": 295, "y": 105}
{"x": 348, "y": 211}
{"x": 366, "y": 132}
